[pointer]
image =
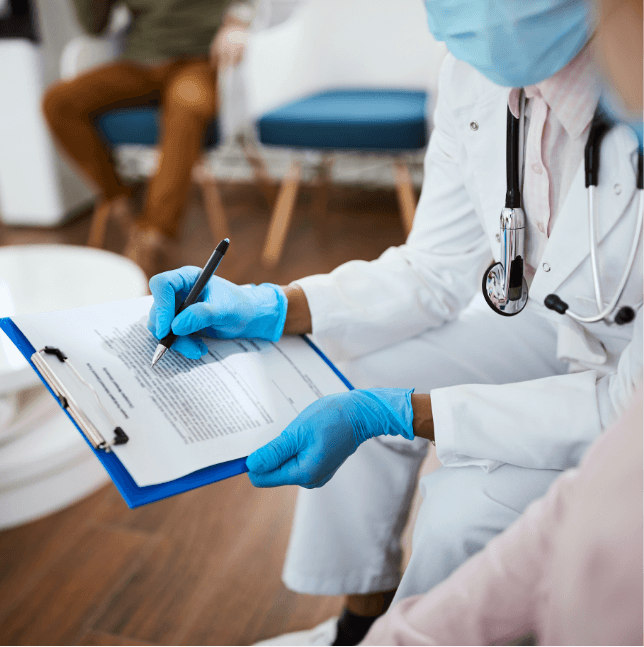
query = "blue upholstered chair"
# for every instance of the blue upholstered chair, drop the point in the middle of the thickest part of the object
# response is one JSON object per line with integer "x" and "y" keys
{"x": 343, "y": 76}
{"x": 130, "y": 126}
{"x": 349, "y": 119}
{"x": 140, "y": 126}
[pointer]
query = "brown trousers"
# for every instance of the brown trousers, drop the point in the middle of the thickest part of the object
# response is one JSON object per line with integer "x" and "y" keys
{"x": 187, "y": 90}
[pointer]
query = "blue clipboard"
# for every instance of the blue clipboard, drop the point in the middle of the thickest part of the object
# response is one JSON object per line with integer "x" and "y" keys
{"x": 133, "y": 494}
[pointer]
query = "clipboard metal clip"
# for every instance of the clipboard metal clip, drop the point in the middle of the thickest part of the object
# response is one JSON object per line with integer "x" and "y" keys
{"x": 68, "y": 403}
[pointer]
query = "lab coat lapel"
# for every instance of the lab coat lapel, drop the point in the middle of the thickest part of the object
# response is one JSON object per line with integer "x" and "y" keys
{"x": 485, "y": 149}
{"x": 569, "y": 242}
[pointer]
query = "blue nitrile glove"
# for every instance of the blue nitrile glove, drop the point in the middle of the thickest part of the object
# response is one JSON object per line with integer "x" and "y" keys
{"x": 311, "y": 449}
{"x": 224, "y": 310}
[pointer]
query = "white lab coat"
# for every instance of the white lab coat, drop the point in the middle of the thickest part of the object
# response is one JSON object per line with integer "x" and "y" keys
{"x": 363, "y": 307}
{"x": 521, "y": 397}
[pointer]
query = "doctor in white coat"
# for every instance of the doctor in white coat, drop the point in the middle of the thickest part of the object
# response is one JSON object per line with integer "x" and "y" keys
{"x": 508, "y": 401}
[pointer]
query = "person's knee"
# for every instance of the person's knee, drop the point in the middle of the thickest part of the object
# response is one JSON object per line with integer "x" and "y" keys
{"x": 192, "y": 94}
{"x": 457, "y": 517}
{"x": 58, "y": 100}
{"x": 446, "y": 531}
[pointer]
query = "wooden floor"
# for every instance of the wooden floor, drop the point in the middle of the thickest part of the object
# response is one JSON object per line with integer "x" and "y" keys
{"x": 202, "y": 568}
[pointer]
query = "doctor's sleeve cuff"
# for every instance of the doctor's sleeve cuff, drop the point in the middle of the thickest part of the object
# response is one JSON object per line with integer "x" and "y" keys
{"x": 445, "y": 434}
{"x": 316, "y": 298}
{"x": 547, "y": 423}
{"x": 321, "y": 296}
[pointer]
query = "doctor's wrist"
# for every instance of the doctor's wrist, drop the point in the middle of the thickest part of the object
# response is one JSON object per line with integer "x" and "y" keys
{"x": 423, "y": 422}
{"x": 298, "y": 315}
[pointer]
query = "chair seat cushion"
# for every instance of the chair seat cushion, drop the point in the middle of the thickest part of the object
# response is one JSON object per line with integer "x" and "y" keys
{"x": 349, "y": 119}
{"x": 140, "y": 125}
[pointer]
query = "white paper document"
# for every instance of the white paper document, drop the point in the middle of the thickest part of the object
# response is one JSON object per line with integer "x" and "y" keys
{"x": 182, "y": 415}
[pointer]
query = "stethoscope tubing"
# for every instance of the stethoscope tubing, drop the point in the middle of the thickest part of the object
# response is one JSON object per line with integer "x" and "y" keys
{"x": 602, "y": 314}
{"x": 592, "y": 223}
{"x": 515, "y": 167}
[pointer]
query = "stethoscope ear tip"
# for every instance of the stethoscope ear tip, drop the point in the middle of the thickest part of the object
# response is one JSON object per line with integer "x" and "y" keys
{"x": 553, "y": 302}
{"x": 624, "y": 315}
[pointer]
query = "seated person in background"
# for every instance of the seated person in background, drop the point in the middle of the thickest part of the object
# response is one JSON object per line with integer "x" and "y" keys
{"x": 170, "y": 59}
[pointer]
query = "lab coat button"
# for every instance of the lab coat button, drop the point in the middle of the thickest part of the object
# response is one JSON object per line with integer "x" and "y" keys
{"x": 536, "y": 168}
{"x": 617, "y": 188}
{"x": 540, "y": 227}
{"x": 474, "y": 125}
{"x": 546, "y": 267}
{"x": 498, "y": 238}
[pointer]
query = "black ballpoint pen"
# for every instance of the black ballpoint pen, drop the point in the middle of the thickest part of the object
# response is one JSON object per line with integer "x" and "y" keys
{"x": 193, "y": 295}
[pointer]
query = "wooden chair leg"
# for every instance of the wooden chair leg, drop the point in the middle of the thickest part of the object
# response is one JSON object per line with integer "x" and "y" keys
{"x": 98, "y": 224}
{"x": 282, "y": 215}
{"x": 406, "y": 195}
{"x": 262, "y": 177}
{"x": 214, "y": 207}
{"x": 321, "y": 187}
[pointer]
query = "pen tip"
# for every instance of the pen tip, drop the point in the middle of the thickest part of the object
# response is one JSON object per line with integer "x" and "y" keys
{"x": 158, "y": 354}
{"x": 223, "y": 246}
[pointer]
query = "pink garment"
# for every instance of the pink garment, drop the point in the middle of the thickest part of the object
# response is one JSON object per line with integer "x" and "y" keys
{"x": 558, "y": 115}
{"x": 569, "y": 570}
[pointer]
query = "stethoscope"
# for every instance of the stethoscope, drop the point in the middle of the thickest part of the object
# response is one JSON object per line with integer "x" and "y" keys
{"x": 504, "y": 285}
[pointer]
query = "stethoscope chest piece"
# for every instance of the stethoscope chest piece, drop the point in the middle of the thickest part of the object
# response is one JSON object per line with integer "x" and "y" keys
{"x": 493, "y": 291}
{"x": 504, "y": 286}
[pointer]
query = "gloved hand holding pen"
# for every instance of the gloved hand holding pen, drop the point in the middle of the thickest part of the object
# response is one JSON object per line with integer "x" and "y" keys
{"x": 224, "y": 310}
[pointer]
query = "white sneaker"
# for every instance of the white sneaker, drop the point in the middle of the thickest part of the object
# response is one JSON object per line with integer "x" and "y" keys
{"x": 323, "y": 634}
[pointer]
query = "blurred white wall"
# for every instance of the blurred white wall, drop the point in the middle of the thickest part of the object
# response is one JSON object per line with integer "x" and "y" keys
{"x": 58, "y": 25}
{"x": 36, "y": 186}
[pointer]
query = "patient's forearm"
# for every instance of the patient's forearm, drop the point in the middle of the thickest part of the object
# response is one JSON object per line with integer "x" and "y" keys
{"x": 298, "y": 315}
{"x": 423, "y": 422}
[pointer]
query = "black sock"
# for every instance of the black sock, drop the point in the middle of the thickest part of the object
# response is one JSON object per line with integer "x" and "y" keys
{"x": 352, "y": 628}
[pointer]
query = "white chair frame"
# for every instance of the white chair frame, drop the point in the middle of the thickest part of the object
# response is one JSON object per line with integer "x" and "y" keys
{"x": 336, "y": 44}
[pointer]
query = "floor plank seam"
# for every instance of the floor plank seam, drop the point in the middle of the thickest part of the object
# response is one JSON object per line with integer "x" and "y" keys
{"x": 115, "y": 638}
{"x": 107, "y": 525}
{"x": 233, "y": 557}
{"x": 39, "y": 576}
{"x": 87, "y": 626}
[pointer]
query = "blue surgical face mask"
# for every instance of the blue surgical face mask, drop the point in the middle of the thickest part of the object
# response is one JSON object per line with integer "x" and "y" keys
{"x": 512, "y": 42}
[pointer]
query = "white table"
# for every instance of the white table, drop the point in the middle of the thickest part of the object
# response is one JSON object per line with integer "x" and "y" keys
{"x": 45, "y": 464}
